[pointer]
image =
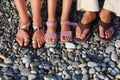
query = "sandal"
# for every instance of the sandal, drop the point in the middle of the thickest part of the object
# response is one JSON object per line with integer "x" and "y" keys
{"x": 23, "y": 41}
{"x": 83, "y": 27}
{"x": 105, "y": 26}
{"x": 51, "y": 35}
{"x": 38, "y": 42}
{"x": 67, "y": 33}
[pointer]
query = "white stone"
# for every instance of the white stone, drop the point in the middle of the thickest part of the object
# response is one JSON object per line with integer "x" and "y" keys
{"x": 117, "y": 43}
{"x": 69, "y": 45}
{"x": 114, "y": 57}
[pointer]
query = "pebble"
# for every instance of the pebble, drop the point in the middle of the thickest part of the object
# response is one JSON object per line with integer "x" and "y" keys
{"x": 101, "y": 76}
{"x": 92, "y": 64}
{"x": 31, "y": 77}
{"x": 109, "y": 49}
{"x": 117, "y": 43}
{"x": 25, "y": 72}
{"x": 49, "y": 77}
{"x": 69, "y": 45}
{"x": 85, "y": 77}
{"x": 91, "y": 71}
{"x": 83, "y": 65}
{"x": 8, "y": 61}
{"x": 114, "y": 57}
{"x": 118, "y": 76}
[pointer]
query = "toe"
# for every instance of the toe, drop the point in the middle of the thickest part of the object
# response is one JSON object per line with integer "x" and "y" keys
{"x": 20, "y": 41}
{"x": 34, "y": 44}
{"x": 102, "y": 35}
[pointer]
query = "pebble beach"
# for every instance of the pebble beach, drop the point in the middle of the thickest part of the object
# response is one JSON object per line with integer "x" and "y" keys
{"x": 94, "y": 60}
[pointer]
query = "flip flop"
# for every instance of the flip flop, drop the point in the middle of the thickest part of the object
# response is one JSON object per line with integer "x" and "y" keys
{"x": 24, "y": 29}
{"x": 67, "y": 33}
{"x": 51, "y": 35}
{"x": 83, "y": 27}
{"x": 105, "y": 26}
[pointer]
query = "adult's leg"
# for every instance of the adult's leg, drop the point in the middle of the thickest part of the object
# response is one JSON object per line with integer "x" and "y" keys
{"x": 66, "y": 6}
{"x": 38, "y": 36}
{"x": 51, "y": 24}
{"x": 22, "y": 36}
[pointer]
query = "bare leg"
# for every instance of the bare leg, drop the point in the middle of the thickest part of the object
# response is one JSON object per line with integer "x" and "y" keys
{"x": 87, "y": 18}
{"x": 105, "y": 16}
{"x": 24, "y": 19}
{"x": 66, "y": 6}
{"x": 38, "y": 36}
{"x": 51, "y": 18}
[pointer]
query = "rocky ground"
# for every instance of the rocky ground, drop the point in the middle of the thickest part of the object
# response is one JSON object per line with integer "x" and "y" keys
{"x": 94, "y": 60}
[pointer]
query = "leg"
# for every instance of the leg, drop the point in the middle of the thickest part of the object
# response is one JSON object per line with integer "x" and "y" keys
{"x": 105, "y": 16}
{"x": 51, "y": 26}
{"x": 24, "y": 19}
{"x": 38, "y": 36}
{"x": 66, "y": 6}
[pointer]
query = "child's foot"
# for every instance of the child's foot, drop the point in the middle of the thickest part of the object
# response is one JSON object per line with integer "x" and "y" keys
{"x": 66, "y": 33}
{"x": 88, "y": 18}
{"x": 38, "y": 37}
{"x": 51, "y": 36}
{"x": 22, "y": 36}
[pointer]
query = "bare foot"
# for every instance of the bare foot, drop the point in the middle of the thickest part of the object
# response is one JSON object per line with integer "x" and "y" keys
{"x": 106, "y": 18}
{"x": 87, "y": 18}
{"x": 38, "y": 38}
{"x": 22, "y": 36}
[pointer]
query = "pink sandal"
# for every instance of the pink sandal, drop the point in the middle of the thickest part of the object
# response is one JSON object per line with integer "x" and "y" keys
{"x": 51, "y": 35}
{"x": 67, "y": 33}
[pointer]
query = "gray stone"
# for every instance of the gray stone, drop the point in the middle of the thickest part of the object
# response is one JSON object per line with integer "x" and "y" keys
{"x": 52, "y": 50}
{"x": 79, "y": 46}
{"x": 91, "y": 71}
{"x": 92, "y": 64}
{"x": 77, "y": 71}
{"x": 114, "y": 57}
{"x": 25, "y": 72}
{"x": 23, "y": 78}
{"x": 31, "y": 77}
{"x": 85, "y": 77}
{"x": 112, "y": 64}
{"x": 117, "y": 43}
{"x": 15, "y": 46}
{"x": 84, "y": 71}
{"x": 75, "y": 65}
{"x": 106, "y": 60}
{"x": 86, "y": 46}
{"x": 4, "y": 65}
{"x": 83, "y": 65}
{"x": 66, "y": 75}
{"x": 49, "y": 77}
{"x": 113, "y": 72}
{"x": 40, "y": 51}
{"x": 97, "y": 69}
{"x": 109, "y": 49}
{"x": 9, "y": 73}
{"x": 8, "y": 61}
{"x": 101, "y": 76}
{"x": 48, "y": 45}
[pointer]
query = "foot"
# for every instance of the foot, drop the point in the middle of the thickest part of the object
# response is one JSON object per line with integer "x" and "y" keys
{"x": 50, "y": 35}
{"x": 38, "y": 37}
{"x": 106, "y": 18}
{"x": 87, "y": 18}
{"x": 22, "y": 36}
{"x": 66, "y": 34}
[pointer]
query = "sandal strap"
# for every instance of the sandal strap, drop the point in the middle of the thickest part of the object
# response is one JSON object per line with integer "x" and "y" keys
{"x": 24, "y": 27}
{"x": 105, "y": 25}
{"x": 51, "y": 23}
{"x": 35, "y": 28}
{"x": 68, "y": 23}
{"x": 66, "y": 33}
{"x": 84, "y": 26}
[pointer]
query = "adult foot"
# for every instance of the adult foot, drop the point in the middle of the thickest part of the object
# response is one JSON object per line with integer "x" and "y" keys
{"x": 105, "y": 17}
{"x": 22, "y": 36}
{"x": 38, "y": 37}
{"x": 87, "y": 18}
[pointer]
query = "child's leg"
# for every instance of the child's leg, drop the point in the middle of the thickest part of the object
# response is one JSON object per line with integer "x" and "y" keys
{"x": 51, "y": 25}
{"x": 66, "y": 6}
{"x": 38, "y": 36}
{"x": 105, "y": 16}
{"x": 22, "y": 37}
